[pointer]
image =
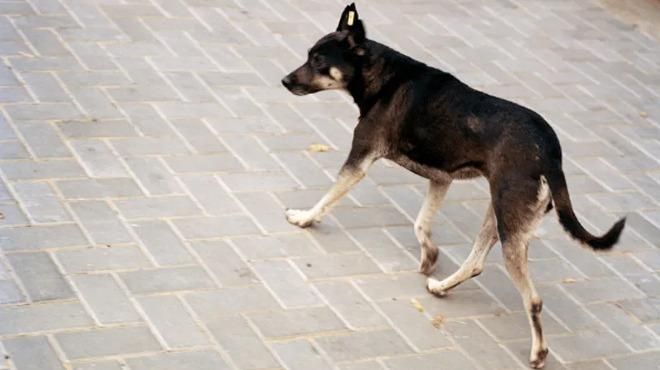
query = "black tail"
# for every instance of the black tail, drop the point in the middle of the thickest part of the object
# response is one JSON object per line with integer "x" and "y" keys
{"x": 567, "y": 218}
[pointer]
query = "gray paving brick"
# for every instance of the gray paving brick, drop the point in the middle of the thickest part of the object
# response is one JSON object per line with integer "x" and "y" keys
{"x": 42, "y": 138}
{"x": 171, "y": 206}
{"x": 163, "y": 244}
{"x": 166, "y": 279}
{"x": 41, "y": 202}
{"x": 288, "y": 245}
{"x": 230, "y": 301}
{"x": 206, "y": 189}
{"x": 449, "y": 360}
{"x": 639, "y": 361}
{"x": 241, "y": 343}
{"x": 96, "y": 129}
{"x": 153, "y": 176}
{"x": 39, "y": 318}
{"x": 467, "y": 333}
{"x": 266, "y": 210}
{"x": 607, "y": 289}
{"x": 32, "y": 353}
{"x": 213, "y": 163}
{"x": 10, "y": 292}
{"x": 414, "y": 325}
{"x": 361, "y": 345}
{"x": 286, "y": 283}
{"x": 30, "y": 170}
{"x": 102, "y": 258}
{"x": 40, "y": 276}
{"x": 258, "y": 181}
{"x": 587, "y": 345}
{"x": 107, "y": 342}
{"x": 389, "y": 256}
{"x": 98, "y": 159}
{"x": 625, "y": 326}
{"x": 300, "y": 354}
{"x": 227, "y": 267}
{"x": 106, "y": 299}
{"x": 295, "y": 322}
{"x": 351, "y": 307}
{"x": 198, "y": 360}
{"x": 104, "y": 365}
{"x": 336, "y": 265}
{"x": 643, "y": 309}
{"x": 101, "y": 222}
{"x": 181, "y": 332}
{"x": 98, "y": 188}
{"x": 393, "y": 286}
{"x": 214, "y": 227}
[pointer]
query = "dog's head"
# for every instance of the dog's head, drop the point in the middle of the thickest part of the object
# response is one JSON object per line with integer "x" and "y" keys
{"x": 331, "y": 62}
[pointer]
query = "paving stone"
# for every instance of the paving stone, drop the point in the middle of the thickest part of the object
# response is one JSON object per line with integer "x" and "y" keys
{"x": 241, "y": 343}
{"x": 10, "y": 292}
{"x": 467, "y": 333}
{"x": 105, "y": 365}
{"x": 625, "y": 326}
{"x": 289, "y": 245}
{"x": 351, "y": 307}
{"x": 381, "y": 248}
{"x": 214, "y": 199}
{"x": 32, "y": 353}
{"x": 639, "y": 361}
{"x": 98, "y": 188}
{"x": 163, "y": 244}
{"x": 107, "y": 342}
{"x": 266, "y": 210}
{"x": 300, "y": 354}
{"x": 440, "y": 360}
{"x": 414, "y": 325}
{"x": 106, "y": 299}
{"x": 296, "y": 322}
{"x": 98, "y": 159}
{"x": 587, "y": 345}
{"x": 173, "y": 206}
{"x": 39, "y": 318}
{"x": 101, "y": 222}
{"x": 361, "y": 345}
{"x": 102, "y": 258}
{"x": 336, "y": 265}
{"x": 40, "y": 276}
{"x": 215, "y": 227}
{"x": 41, "y": 202}
{"x": 197, "y": 360}
{"x": 172, "y": 321}
{"x": 29, "y": 170}
{"x": 287, "y": 284}
{"x": 608, "y": 289}
{"x": 43, "y": 139}
{"x": 153, "y": 176}
{"x": 230, "y": 301}
{"x": 166, "y": 279}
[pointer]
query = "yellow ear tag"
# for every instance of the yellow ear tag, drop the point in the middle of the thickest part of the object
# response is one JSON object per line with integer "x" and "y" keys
{"x": 351, "y": 17}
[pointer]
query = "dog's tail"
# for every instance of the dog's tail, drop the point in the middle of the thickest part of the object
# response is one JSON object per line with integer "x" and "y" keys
{"x": 567, "y": 218}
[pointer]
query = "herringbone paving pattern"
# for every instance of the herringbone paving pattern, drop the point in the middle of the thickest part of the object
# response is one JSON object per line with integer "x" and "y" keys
{"x": 147, "y": 152}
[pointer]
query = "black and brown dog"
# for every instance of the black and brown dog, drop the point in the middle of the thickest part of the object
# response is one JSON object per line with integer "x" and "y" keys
{"x": 434, "y": 125}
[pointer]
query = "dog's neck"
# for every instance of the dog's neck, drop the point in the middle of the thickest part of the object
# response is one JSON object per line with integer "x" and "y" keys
{"x": 380, "y": 73}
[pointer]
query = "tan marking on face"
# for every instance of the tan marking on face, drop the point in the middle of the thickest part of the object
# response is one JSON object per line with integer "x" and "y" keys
{"x": 327, "y": 83}
{"x": 336, "y": 74}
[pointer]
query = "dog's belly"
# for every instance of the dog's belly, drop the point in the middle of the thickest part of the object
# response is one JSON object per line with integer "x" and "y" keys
{"x": 433, "y": 173}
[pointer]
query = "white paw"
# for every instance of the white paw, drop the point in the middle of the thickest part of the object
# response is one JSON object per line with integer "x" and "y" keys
{"x": 435, "y": 287}
{"x": 299, "y": 217}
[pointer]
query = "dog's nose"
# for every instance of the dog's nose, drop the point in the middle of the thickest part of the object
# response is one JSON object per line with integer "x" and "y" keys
{"x": 286, "y": 81}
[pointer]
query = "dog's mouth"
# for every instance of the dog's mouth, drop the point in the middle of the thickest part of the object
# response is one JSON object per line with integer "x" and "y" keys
{"x": 299, "y": 91}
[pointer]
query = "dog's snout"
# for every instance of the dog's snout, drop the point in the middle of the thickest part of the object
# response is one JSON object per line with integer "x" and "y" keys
{"x": 287, "y": 81}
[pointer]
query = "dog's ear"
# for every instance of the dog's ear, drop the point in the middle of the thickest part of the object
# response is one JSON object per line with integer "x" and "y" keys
{"x": 350, "y": 22}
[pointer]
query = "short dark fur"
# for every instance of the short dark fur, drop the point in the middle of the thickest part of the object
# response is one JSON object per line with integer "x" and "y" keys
{"x": 438, "y": 127}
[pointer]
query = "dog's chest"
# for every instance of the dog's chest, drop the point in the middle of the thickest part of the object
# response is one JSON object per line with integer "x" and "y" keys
{"x": 418, "y": 168}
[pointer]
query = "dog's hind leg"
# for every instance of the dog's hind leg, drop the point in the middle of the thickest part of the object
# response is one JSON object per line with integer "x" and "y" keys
{"x": 429, "y": 251}
{"x": 474, "y": 263}
{"x": 518, "y": 213}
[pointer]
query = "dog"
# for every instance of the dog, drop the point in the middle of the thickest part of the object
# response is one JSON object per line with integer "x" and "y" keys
{"x": 434, "y": 125}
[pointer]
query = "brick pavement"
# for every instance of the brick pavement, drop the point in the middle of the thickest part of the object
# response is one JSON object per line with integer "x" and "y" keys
{"x": 147, "y": 152}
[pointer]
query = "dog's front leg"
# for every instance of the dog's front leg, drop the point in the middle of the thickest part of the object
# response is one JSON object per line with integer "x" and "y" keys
{"x": 350, "y": 174}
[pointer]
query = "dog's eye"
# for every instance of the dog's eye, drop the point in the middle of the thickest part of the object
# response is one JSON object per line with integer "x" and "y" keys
{"x": 317, "y": 61}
